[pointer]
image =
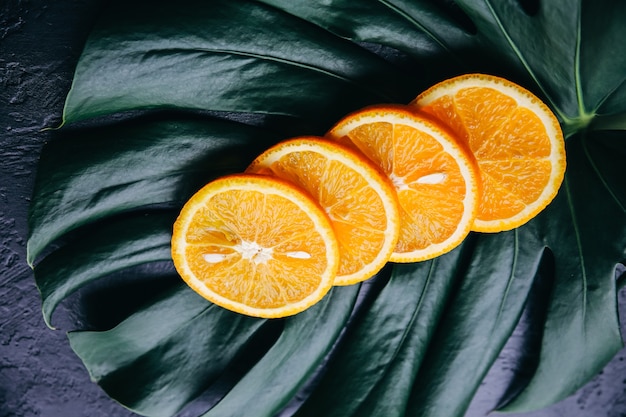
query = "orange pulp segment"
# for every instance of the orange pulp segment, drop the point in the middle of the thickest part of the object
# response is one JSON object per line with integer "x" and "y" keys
{"x": 435, "y": 178}
{"x": 255, "y": 245}
{"x": 515, "y": 138}
{"x": 360, "y": 201}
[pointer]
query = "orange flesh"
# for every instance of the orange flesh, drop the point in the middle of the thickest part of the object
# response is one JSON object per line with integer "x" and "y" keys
{"x": 429, "y": 184}
{"x": 510, "y": 143}
{"x": 255, "y": 248}
{"x": 354, "y": 207}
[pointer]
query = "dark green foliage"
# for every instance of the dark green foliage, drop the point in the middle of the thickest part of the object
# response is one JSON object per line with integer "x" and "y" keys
{"x": 169, "y": 95}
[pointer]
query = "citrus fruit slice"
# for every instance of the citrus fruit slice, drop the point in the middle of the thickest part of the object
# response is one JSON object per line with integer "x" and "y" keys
{"x": 515, "y": 138}
{"x": 255, "y": 245}
{"x": 360, "y": 200}
{"x": 435, "y": 178}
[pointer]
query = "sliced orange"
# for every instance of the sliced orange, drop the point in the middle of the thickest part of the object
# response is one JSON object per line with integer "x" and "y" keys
{"x": 515, "y": 138}
{"x": 255, "y": 245}
{"x": 435, "y": 178}
{"x": 360, "y": 200}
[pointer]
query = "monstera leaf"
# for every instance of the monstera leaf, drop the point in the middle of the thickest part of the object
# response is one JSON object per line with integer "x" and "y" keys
{"x": 169, "y": 95}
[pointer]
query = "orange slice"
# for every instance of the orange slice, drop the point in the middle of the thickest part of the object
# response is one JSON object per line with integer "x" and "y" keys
{"x": 435, "y": 178}
{"x": 255, "y": 245}
{"x": 360, "y": 201}
{"x": 515, "y": 138}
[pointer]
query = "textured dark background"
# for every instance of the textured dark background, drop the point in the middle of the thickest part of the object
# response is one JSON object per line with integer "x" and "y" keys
{"x": 40, "y": 42}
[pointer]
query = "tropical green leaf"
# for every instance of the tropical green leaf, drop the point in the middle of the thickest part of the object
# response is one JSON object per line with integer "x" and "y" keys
{"x": 487, "y": 305}
{"x": 127, "y": 243}
{"x": 226, "y": 56}
{"x": 565, "y": 48}
{"x": 582, "y": 330}
{"x": 169, "y": 95}
{"x": 368, "y": 365}
{"x": 287, "y": 366}
{"x": 142, "y": 364}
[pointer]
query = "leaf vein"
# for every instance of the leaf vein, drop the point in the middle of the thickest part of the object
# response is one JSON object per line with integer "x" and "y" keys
{"x": 415, "y": 23}
{"x": 413, "y": 319}
{"x": 511, "y": 277}
{"x": 280, "y": 60}
{"x": 600, "y": 176}
{"x": 581, "y": 257}
{"x": 523, "y": 60}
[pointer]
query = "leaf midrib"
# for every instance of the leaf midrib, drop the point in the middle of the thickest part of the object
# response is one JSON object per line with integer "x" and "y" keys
{"x": 272, "y": 58}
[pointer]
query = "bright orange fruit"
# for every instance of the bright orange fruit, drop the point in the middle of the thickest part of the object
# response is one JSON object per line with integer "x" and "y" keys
{"x": 435, "y": 178}
{"x": 515, "y": 138}
{"x": 360, "y": 200}
{"x": 255, "y": 245}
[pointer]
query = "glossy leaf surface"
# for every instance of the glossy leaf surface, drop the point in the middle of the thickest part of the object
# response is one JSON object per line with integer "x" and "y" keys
{"x": 167, "y": 96}
{"x": 225, "y": 56}
{"x": 366, "y": 366}
{"x": 141, "y": 363}
{"x": 582, "y": 326}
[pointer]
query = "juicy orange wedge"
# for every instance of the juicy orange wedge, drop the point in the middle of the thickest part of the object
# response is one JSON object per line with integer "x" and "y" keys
{"x": 435, "y": 178}
{"x": 255, "y": 245}
{"x": 515, "y": 138}
{"x": 360, "y": 200}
